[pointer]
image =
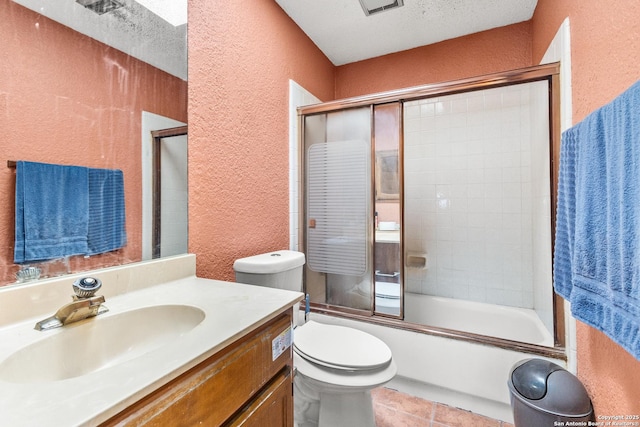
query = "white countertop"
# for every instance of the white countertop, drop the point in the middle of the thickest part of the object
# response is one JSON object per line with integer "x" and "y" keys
{"x": 387, "y": 236}
{"x": 232, "y": 310}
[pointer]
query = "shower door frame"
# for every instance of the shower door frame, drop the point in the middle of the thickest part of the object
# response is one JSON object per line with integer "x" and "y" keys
{"x": 547, "y": 72}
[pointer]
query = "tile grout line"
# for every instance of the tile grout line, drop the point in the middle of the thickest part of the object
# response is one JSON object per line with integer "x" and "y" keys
{"x": 410, "y": 414}
{"x": 434, "y": 408}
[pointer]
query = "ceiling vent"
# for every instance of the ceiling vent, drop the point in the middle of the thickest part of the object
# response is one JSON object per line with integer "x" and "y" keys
{"x": 374, "y": 6}
{"x": 101, "y": 6}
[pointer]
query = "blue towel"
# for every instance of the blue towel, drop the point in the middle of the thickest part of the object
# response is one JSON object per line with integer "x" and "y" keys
{"x": 597, "y": 246}
{"x": 51, "y": 211}
{"x": 106, "y": 211}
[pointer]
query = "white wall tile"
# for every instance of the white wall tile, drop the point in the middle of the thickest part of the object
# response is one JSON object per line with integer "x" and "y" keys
{"x": 479, "y": 146}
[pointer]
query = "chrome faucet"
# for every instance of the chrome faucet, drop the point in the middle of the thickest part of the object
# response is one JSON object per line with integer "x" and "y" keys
{"x": 84, "y": 305}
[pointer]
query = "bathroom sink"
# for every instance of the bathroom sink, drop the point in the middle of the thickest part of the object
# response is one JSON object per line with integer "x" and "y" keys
{"x": 98, "y": 343}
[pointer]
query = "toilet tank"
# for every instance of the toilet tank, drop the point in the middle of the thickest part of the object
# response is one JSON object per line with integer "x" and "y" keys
{"x": 280, "y": 269}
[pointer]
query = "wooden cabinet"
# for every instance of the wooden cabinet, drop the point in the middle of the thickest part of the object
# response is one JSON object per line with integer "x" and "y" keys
{"x": 387, "y": 261}
{"x": 248, "y": 383}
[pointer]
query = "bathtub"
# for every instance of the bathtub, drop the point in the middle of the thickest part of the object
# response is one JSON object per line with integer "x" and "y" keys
{"x": 468, "y": 375}
{"x": 511, "y": 323}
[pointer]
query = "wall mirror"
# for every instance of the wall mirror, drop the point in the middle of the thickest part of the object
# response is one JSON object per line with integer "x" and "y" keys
{"x": 85, "y": 82}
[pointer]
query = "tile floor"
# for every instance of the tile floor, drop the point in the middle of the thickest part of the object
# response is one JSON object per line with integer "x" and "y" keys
{"x": 395, "y": 409}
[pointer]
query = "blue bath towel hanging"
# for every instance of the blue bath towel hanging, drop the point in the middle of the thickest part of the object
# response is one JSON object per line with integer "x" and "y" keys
{"x": 51, "y": 211}
{"x": 106, "y": 211}
{"x": 597, "y": 246}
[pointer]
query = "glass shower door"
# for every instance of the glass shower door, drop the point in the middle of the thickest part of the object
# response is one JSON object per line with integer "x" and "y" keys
{"x": 478, "y": 203}
{"x": 353, "y": 208}
{"x": 456, "y": 216}
{"x": 387, "y": 247}
{"x": 338, "y": 213}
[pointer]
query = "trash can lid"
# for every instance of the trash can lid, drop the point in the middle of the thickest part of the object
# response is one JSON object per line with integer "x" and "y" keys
{"x": 530, "y": 378}
{"x": 550, "y": 388}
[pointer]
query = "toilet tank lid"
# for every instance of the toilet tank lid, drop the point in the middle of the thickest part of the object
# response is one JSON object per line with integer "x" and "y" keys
{"x": 272, "y": 262}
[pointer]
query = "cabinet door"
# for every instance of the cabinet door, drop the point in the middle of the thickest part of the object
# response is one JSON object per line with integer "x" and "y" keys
{"x": 271, "y": 408}
{"x": 218, "y": 388}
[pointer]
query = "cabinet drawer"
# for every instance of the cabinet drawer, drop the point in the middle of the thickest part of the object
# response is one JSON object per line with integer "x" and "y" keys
{"x": 213, "y": 391}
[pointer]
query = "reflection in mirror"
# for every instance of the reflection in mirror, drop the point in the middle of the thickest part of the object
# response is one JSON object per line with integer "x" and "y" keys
{"x": 387, "y": 218}
{"x": 73, "y": 98}
{"x": 170, "y": 192}
{"x": 387, "y": 176}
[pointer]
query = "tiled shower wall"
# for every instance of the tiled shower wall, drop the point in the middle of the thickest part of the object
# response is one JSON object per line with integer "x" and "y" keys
{"x": 469, "y": 194}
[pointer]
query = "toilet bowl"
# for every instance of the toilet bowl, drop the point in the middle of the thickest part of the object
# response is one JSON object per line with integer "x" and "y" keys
{"x": 335, "y": 366}
{"x": 387, "y": 298}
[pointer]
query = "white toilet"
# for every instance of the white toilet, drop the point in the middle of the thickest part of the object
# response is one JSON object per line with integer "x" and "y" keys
{"x": 387, "y": 298}
{"x": 336, "y": 366}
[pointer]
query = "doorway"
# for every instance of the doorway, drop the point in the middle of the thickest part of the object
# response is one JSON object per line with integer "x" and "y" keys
{"x": 170, "y": 192}
{"x": 176, "y": 175}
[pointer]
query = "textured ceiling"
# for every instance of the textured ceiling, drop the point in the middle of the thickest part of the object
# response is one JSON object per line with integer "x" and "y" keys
{"x": 345, "y": 34}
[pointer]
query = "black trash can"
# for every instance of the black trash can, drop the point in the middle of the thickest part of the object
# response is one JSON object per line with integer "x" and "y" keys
{"x": 544, "y": 394}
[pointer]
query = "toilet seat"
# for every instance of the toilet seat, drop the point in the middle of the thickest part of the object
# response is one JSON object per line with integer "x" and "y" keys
{"x": 334, "y": 386}
{"x": 340, "y": 347}
{"x": 388, "y": 290}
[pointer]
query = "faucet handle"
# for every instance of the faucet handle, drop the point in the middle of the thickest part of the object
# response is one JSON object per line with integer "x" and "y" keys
{"x": 86, "y": 287}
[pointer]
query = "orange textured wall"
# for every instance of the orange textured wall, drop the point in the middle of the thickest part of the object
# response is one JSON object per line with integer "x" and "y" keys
{"x": 241, "y": 57}
{"x": 605, "y": 47}
{"x": 66, "y": 98}
{"x": 491, "y": 51}
{"x": 605, "y": 58}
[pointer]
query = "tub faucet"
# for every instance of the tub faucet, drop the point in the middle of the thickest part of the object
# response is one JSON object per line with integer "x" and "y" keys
{"x": 84, "y": 305}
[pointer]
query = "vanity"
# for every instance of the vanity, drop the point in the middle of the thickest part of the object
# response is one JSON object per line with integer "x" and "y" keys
{"x": 173, "y": 349}
{"x": 387, "y": 255}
